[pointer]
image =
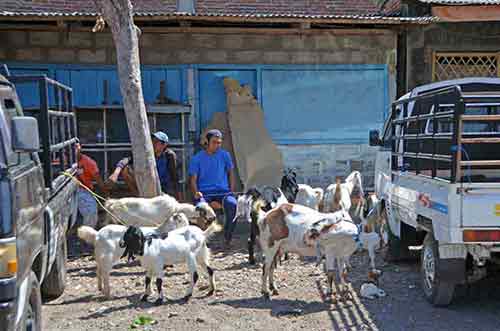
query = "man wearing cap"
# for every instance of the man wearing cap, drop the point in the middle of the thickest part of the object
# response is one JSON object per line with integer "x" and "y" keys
{"x": 212, "y": 179}
{"x": 166, "y": 165}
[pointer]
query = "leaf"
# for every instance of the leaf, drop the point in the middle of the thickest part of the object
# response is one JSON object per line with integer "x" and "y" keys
{"x": 141, "y": 321}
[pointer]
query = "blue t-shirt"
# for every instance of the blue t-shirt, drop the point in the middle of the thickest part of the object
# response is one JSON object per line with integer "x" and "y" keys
{"x": 211, "y": 170}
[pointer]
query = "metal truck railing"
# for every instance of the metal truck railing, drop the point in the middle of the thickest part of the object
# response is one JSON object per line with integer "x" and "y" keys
{"x": 56, "y": 123}
{"x": 428, "y": 135}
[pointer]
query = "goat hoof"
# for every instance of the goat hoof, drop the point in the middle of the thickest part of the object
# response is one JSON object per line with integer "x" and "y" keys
{"x": 210, "y": 293}
{"x": 266, "y": 296}
{"x": 187, "y": 297}
{"x": 159, "y": 302}
{"x": 274, "y": 291}
{"x": 251, "y": 261}
{"x": 144, "y": 298}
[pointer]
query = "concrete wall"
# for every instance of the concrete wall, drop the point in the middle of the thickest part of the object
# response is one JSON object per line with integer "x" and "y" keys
{"x": 186, "y": 48}
{"x": 446, "y": 37}
{"x": 318, "y": 164}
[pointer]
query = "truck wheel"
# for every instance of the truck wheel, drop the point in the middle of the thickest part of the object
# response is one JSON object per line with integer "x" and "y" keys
{"x": 437, "y": 291}
{"x": 33, "y": 321}
{"x": 55, "y": 282}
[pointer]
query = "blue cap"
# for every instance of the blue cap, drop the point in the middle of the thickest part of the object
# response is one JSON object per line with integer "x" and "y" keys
{"x": 213, "y": 133}
{"x": 161, "y": 136}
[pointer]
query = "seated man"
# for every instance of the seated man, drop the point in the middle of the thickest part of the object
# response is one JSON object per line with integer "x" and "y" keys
{"x": 212, "y": 179}
{"x": 166, "y": 165}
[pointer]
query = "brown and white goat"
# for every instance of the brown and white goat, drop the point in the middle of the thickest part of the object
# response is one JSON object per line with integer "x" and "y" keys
{"x": 302, "y": 230}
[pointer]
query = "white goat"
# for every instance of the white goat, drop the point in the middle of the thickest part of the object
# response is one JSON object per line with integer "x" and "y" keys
{"x": 153, "y": 211}
{"x": 185, "y": 245}
{"x": 301, "y": 230}
{"x": 107, "y": 251}
{"x": 309, "y": 197}
{"x": 336, "y": 199}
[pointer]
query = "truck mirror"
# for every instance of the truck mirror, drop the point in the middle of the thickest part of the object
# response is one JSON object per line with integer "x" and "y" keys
{"x": 25, "y": 134}
{"x": 374, "y": 138}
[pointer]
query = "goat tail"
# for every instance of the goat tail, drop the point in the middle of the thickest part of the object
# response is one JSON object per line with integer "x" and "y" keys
{"x": 87, "y": 234}
{"x": 212, "y": 229}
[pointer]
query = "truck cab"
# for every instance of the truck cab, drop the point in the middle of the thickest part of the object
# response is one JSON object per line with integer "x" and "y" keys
{"x": 438, "y": 175}
{"x": 38, "y": 203}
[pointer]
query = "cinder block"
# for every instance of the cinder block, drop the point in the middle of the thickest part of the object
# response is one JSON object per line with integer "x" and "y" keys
{"x": 28, "y": 54}
{"x": 214, "y": 56}
{"x": 103, "y": 40}
{"x": 44, "y": 38}
{"x": 16, "y": 38}
{"x": 92, "y": 56}
{"x": 203, "y": 41}
{"x": 61, "y": 55}
{"x": 293, "y": 42}
{"x": 186, "y": 57}
{"x": 304, "y": 57}
{"x": 232, "y": 42}
{"x": 274, "y": 57}
{"x": 250, "y": 57}
{"x": 79, "y": 39}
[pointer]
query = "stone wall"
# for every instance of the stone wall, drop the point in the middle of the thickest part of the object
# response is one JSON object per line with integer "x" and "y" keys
{"x": 188, "y": 48}
{"x": 446, "y": 37}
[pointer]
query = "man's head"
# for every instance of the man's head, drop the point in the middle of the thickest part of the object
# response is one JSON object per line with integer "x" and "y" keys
{"x": 214, "y": 139}
{"x": 160, "y": 142}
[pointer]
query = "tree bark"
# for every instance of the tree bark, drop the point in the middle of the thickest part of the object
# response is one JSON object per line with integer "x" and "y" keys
{"x": 119, "y": 16}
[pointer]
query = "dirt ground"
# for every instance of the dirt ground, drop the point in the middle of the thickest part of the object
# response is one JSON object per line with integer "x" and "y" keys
{"x": 239, "y": 305}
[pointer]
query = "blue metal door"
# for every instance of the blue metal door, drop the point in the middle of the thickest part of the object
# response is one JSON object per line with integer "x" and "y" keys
{"x": 212, "y": 96}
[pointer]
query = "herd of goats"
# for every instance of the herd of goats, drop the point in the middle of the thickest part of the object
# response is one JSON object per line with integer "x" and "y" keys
{"x": 293, "y": 218}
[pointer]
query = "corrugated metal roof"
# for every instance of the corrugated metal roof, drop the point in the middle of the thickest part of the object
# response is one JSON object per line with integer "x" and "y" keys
{"x": 462, "y": 2}
{"x": 256, "y": 16}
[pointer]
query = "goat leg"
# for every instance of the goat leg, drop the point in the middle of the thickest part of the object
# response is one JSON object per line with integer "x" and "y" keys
{"x": 159, "y": 283}
{"x": 147, "y": 292}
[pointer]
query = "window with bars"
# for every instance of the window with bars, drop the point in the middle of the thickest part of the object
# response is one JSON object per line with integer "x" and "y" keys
{"x": 460, "y": 65}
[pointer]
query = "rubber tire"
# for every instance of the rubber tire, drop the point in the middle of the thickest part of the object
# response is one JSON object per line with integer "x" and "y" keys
{"x": 55, "y": 282}
{"x": 442, "y": 292}
{"x": 35, "y": 302}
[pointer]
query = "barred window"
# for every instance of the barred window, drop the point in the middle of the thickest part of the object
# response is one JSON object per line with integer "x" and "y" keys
{"x": 460, "y": 65}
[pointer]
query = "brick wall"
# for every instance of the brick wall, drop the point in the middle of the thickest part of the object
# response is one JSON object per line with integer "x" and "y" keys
{"x": 446, "y": 37}
{"x": 186, "y": 48}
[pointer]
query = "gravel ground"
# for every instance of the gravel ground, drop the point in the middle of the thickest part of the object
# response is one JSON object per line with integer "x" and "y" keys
{"x": 239, "y": 305}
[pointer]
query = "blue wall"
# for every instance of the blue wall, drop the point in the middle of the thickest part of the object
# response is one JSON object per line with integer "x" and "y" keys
{"x": 319, "y": 104}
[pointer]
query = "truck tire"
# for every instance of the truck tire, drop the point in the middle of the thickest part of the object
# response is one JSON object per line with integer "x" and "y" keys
{"x": 33, "y": 318}
{"x": 436, "y": 290}
{"x": 55, "y": 282}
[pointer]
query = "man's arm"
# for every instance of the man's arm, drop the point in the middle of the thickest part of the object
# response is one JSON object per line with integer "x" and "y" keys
{"x": 172, "y": 169}
{"x": 232, "y": 180}
{"x": 194, "y": 187}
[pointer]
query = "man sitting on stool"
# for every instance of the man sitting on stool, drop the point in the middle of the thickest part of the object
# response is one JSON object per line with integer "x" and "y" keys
{"x": 212, "y": 180}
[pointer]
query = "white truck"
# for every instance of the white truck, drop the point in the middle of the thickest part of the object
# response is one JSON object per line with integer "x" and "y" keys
{"x": 438, "y": 176}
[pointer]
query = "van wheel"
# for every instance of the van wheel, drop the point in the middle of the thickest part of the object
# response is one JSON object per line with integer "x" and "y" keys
{"x": 33, "y": 320}
{"x": 437, "y": 291}
{"x": 55, "y": 282}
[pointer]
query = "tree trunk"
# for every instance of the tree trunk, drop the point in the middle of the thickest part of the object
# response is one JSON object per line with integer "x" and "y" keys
{"x": 119, "y": 16}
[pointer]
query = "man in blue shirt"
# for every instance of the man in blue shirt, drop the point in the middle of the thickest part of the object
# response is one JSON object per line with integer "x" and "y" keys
{"x": 166, "y": 165}
{"x": 212, "y": 179}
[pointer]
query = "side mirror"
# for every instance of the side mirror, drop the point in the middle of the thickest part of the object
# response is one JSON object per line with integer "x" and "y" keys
{"x": 374, "y": 138}
{"x": 25, "y": 134}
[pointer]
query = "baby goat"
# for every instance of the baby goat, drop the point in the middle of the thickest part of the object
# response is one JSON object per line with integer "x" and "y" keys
{"x": 107, "y": 250}
{"x": 185, "y": 245}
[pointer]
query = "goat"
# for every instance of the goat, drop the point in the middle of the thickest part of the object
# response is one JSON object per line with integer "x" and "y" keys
{"x": 107, "y": 251}
{"x": 184, "y": 245}
{"x": 336, "y": 198}
{"x": 304, "y": 231}
{"x": 309, "y": 197}
{"x": 273, "y": 197}
{"x": 152, "y": 211}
